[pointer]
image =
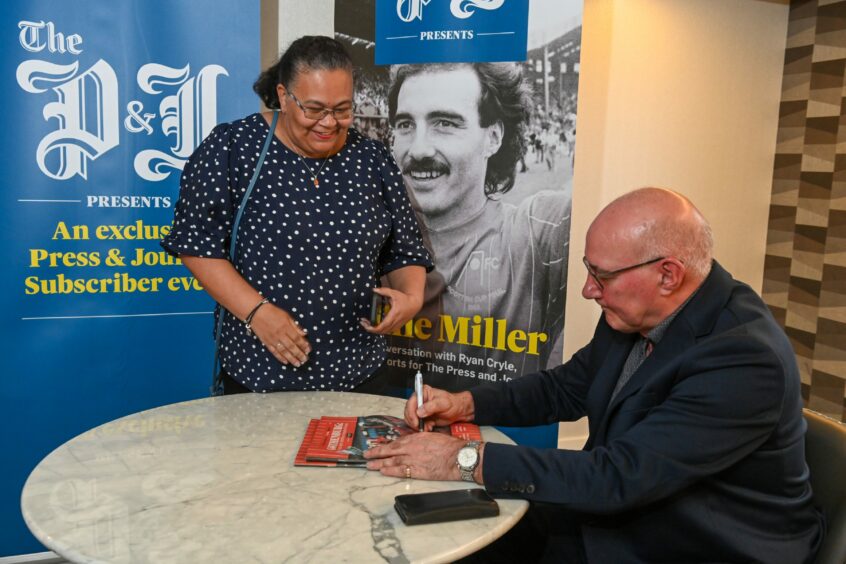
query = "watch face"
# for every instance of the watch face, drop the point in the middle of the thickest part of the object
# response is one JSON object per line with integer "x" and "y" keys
{"x": 467, "y": 457}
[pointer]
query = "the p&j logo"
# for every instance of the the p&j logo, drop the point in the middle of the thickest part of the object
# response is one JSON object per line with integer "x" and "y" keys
{"x": 87, "y": 108}
{"x": 451, "y": 31}
{"x": 410, "y": 10}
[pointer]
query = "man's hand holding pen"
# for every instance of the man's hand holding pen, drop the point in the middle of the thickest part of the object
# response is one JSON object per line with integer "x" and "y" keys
{"x": 438, "y": 408}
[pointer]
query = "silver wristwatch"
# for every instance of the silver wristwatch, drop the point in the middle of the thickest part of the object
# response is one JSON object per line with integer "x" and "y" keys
{"x": 467, "y": 460}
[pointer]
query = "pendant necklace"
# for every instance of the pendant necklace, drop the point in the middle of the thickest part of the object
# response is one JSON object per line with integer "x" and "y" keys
{"x": 302, "y": 160}
{"x": 313, "y": 175}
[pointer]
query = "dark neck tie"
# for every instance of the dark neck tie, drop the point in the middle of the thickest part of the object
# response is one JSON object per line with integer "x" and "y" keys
{"x": 639, "y": 352}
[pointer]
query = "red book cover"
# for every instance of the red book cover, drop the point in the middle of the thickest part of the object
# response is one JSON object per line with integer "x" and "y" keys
{"x": 329, "y": 442}
{"x": 467, "y": 431}
{"x": 341, "y": 441}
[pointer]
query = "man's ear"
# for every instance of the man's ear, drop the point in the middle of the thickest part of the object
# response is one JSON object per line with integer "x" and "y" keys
{"x": 493, "y": 138}
{"x": 672, "y": 275}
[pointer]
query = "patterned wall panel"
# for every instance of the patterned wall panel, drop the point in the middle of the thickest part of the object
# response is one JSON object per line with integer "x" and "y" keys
{"x": 805, "y": 266}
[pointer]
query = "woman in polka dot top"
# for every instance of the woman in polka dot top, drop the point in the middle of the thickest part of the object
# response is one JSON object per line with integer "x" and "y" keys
{"x": 328, "y": 216}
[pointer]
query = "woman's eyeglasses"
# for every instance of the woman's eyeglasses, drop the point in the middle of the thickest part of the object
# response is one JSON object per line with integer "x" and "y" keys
{"x": 319, "y": 113}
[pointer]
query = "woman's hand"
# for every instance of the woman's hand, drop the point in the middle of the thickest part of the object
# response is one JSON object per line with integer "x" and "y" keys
{"x": 281, "y": 334}
{"x": 404, "y": 295}
{"x": 402, "y": 308}
{"x": 275, "y": 327}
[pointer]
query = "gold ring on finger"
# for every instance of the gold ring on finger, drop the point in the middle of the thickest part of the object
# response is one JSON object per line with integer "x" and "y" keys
{"x": 408, "y": 472}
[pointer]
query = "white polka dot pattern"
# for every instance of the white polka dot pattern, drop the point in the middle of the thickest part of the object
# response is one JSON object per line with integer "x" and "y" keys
{"x": 314, "y": 251}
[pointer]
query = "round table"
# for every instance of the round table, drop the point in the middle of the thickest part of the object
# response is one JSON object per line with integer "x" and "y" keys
{"x": 213, "y": 480}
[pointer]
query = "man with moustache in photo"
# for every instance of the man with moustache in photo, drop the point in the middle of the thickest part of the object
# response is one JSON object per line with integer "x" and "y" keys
{"x": 459, "y": 133}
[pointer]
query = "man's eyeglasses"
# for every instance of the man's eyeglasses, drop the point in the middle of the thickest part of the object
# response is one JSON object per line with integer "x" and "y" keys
{"x": 318, "y": 114}
{"x": 599, "y": 275}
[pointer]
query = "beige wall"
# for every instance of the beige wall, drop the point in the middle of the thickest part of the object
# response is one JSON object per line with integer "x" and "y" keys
{"x": 282, "y": 21}
{"x": 682, "y": 94}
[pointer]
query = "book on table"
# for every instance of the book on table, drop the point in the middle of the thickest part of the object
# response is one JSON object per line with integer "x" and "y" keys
{"x": 341, "y": 441}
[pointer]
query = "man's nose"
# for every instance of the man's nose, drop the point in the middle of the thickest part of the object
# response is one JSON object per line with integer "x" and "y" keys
{"x": 591, "y": 290}
{"x": 421, "y": 146}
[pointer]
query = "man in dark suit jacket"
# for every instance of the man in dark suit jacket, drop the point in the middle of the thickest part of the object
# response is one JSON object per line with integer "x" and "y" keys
{"x": 696, "y": 446}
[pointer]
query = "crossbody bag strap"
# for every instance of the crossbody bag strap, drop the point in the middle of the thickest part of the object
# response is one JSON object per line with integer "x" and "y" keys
{"x": 217, "y": 385}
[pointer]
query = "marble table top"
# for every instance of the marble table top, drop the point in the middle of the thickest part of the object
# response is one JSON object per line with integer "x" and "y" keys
{"x": 213, "y": 480}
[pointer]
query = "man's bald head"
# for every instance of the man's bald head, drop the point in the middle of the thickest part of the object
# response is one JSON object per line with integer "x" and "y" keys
{"x": 655, "y": 222}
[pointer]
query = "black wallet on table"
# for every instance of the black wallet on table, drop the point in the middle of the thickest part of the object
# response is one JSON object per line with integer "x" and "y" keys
{"x": 451, "y": 505}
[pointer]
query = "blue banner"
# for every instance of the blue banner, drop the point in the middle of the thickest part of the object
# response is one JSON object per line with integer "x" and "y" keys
{"x": 104, "y": 102}
{"x": 450, "y": 31}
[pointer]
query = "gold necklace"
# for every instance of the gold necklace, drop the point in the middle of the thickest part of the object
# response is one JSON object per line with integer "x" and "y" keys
{"x": 284, "y": 134}
{"x": 313, "y": 175}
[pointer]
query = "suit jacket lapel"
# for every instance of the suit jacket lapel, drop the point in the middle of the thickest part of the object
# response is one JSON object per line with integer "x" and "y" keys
{"x": 606, "y": 378}
{"x": 678, "y": 338}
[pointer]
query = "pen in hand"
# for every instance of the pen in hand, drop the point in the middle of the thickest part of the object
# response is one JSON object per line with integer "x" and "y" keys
{"x": 418, "y": 389}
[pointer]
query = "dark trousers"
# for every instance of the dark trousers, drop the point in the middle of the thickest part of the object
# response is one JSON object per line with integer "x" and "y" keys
{"x": 230, "y": 386}
{"x": 545, "y": 534}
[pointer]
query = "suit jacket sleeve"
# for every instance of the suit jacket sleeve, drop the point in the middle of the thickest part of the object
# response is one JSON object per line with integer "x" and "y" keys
{"x": 721, "y": 399}
{"x": 548, "y": 396}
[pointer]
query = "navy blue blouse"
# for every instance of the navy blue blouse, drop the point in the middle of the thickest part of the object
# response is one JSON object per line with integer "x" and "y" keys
{"x": 316, "y": 252}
